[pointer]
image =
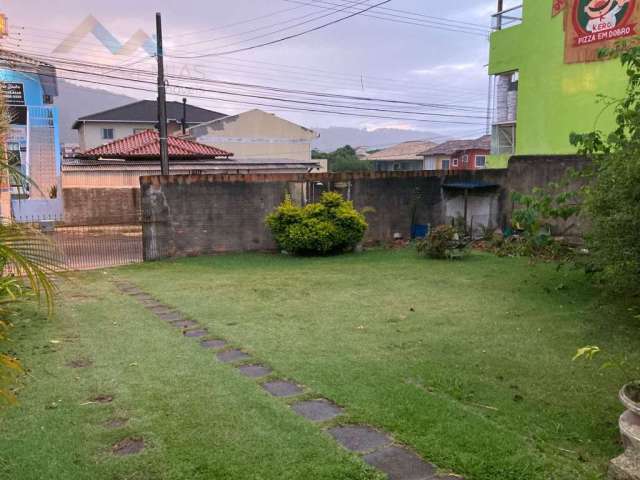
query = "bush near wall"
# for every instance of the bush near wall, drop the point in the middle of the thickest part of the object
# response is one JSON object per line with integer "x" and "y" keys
{"x": 329, "y": 227}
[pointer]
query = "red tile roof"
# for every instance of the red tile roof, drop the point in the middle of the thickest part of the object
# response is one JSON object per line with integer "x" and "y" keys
{"x": 147, "y": 145}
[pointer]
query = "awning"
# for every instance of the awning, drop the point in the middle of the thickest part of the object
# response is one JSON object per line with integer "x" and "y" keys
{"x": 470, "y": 185}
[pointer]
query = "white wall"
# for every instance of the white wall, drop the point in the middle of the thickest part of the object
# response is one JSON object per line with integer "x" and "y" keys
{"x": 90, "y": 134}
{"x": 257, "y": 134}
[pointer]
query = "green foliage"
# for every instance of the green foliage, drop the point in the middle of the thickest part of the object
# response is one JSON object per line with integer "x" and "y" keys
{"x": 542, "y": 247}
{"x": 27, "y": 261}
{"x": 534, "y": 213}
{"x": 621, "y": 363}
{"x": 329, "y": 227}
{"x": 532, "y": 219}
{"x": 444, "y": 242}
{"x": 344, "y": 160}
{"x": 612, "y": 195}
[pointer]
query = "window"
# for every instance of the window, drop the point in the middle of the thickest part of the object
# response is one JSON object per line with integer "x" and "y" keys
{"x": 481, "y": 161}
{"x": 446, "y": 164}
{"x": 107, "y": 133}
{"x": 503, "y": 139}
{"x": 454, "y": 162}
{"x": 465, "y": 160}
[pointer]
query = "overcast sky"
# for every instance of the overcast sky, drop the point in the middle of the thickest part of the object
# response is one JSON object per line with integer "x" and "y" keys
{"x": 361, "y": 56}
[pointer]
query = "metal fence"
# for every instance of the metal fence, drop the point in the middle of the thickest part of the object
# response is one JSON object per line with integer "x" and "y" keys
{"x": 86, "y": 247}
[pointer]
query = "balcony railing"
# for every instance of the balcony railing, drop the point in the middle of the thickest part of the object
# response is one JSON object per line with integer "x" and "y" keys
{"x": 507, "y": 18}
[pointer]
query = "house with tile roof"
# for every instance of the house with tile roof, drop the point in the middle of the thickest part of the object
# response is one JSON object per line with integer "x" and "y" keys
{"x": 117, "y": 123}
{"x": 145, "y": 146}
{"x": 458, "y": 154}
{"x": 121, "y": 163}
{"x": 405, "y": 156}
{"x": 257, "y": 134}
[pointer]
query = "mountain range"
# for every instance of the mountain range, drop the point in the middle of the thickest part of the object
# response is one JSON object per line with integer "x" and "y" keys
{"x": 75, "y": 101}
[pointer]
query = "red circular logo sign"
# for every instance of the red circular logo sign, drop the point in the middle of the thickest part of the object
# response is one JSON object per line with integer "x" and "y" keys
{"x": 592, "y": 17}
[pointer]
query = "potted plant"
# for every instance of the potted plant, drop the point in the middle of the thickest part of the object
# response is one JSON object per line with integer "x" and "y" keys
{"x": 627, "y": 465}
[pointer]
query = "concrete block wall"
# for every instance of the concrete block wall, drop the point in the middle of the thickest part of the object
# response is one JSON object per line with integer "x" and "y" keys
{"x": 101, "y": 206}
{"x": 202, "y": 214}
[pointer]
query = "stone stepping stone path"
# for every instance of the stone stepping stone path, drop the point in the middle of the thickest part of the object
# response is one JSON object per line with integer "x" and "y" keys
{"x": 254, "y": 371}
{"x": 128, "y": 446}
{"x": 375, "y": 447}
{"x": 213, "y": 344}
{"x": 360, "y": 438}
{"x": 281, "y": 388}
{"x": 401, "y": 464}
{"x": 171, "y": 317}
{"x": 196, "y": 333}
{"x": 317, "y": 410}
{"x": 230, "y": 356}
{"x": 183, "y": 324}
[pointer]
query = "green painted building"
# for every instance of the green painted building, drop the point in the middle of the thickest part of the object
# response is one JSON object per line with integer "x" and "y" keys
{"x": 539, "y": 100}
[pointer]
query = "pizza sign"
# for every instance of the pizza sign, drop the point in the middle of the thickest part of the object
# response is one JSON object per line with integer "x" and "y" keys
{"x": 594, "y": 25}
{"x": 596, "y": 21}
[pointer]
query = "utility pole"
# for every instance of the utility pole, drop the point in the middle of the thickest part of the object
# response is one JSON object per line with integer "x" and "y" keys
{"x": 184, "y": 116}
{"x": 162, "y": 100}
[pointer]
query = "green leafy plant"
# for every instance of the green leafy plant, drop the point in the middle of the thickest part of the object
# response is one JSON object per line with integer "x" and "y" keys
{"x": 611, "y": 196}
{"x": 590, "y": 352}
{"x": 27, "y": 263}
{"x": 331, "y": 226}
{"x": 444, "y": 242}
{"x": 533, "y": 218}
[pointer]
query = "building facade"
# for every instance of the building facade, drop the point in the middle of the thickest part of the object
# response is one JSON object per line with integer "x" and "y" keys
{"x": 256, "y": 134}
{"x": 458, "y": 155}
{"x": 29, "y": 88}
{"x": 547, "y": 74}
{"x": 117, "y": 123}
{"x": 404, "y": 157}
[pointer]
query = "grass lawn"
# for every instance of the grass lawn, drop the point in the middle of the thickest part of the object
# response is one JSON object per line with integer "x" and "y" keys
{"x": 467, "y": 362}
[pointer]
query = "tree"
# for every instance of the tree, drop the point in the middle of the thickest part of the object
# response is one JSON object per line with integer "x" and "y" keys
{"x": 344, "y": 159}
{"x": 611, "y": 198}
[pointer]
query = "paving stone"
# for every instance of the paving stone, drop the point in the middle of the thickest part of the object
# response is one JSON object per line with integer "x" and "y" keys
{"x": 359, "y": 438}
{"x": 128, "y": 446}
{"x": 254, "y": 371}
{"x": 213, "y": 344}
{"x": 151, "y": 304}
{"x": 400, "y": 464}
{"x": 230, "y": 356}
{"x": 161, "y": 309}
{"x": 171, "y": 316}
{"x": 184, "y": 324}
{"x": 196, "y": 333}
{"x": 280, "y": 388}
{"x": 317, "y": 410}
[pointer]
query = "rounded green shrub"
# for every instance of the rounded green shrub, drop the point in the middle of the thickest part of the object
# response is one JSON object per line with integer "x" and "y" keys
{"x": 329, "y": 227}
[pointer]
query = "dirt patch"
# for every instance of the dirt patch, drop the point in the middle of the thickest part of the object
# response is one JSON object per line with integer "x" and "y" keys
{"x": 102, "y": 399}
{"x": 128, "y": 446}
{"x": 115, "y": 423}
{"x": 80, "y": 363}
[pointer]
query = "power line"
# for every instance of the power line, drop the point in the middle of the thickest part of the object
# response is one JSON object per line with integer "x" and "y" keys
{"x": 312, "y": 14}
{"x": 289, "y": 37}
{"x": 273, "y": 89}
{"x": 330, "y": 76}
{"x": 441, "y": 24}
{"x": 300, "y": 109}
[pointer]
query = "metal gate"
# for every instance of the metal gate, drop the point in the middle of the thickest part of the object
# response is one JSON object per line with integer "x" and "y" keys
{"x": 92, "y": 246}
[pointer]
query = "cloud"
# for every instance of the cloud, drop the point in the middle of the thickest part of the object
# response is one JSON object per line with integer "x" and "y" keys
{"x": 373, "y": 126}
{"x": 445, "y": 69}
